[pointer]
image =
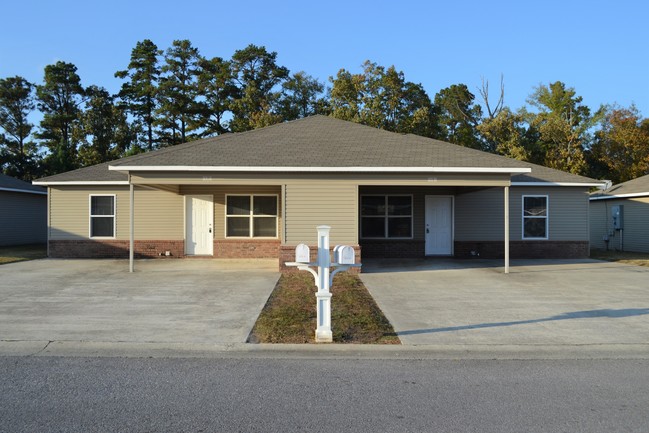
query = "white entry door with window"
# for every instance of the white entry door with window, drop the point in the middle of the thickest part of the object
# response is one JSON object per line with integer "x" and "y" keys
{"x": 439, "y": 225}
{"x": 199, "y": 219}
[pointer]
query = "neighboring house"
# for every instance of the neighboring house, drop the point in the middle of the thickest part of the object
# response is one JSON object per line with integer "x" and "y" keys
{"x": 619, "y": 217}
{"x": 261, "y": 192}
{"x": 23, "y": 212}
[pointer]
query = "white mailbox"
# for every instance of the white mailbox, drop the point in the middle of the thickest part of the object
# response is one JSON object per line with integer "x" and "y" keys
{"x": 336, "y": 251}
{"x": 346, "y": 255}
{"x": 302, "y": 253}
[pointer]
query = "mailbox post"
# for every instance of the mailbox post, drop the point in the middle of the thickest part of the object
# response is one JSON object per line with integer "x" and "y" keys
{"x": 343, "y": 260}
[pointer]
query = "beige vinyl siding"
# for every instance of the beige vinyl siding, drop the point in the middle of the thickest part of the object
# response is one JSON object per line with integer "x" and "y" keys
{"x": 599, "y": 223}
{"x": 220, "y": 191}
{"x": 311, "y": 205}
{"x": 23, "y": 218}
{"x": 568, "y": 213}
{"x": 479, "y": 215}
{"x": 158, "y": 214}
{"x": 635, "y": 234}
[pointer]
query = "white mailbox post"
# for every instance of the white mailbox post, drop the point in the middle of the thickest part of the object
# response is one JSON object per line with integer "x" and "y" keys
{"x": 343, "y": 260}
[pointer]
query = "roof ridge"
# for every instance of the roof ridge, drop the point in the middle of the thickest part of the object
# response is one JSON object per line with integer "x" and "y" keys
{"x": 208, "y": 140}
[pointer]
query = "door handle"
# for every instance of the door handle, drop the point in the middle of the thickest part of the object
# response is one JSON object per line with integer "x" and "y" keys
{"x": 210, "y": 229}
{"x": 427, "y": 230}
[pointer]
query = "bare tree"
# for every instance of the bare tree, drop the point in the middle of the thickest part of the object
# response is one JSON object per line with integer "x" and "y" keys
{"x": 484, "y": 93}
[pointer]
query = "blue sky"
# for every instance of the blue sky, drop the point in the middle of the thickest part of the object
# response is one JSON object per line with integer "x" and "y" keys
{"x": 599, "y": 48}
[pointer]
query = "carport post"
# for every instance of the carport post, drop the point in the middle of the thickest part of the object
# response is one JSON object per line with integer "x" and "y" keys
{"x": 506, "y": 229}
{"x": 131, "y": 224}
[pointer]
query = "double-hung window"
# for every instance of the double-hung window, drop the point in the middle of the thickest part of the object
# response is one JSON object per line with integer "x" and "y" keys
{"x": 102, "y": 216}
{"x": 251, "y": 216}
{"x": 386, "y": 216}
{"x": 535, "y": 217}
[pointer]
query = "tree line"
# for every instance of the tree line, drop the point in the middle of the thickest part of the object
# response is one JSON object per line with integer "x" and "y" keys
{"x": 177, "y": 95}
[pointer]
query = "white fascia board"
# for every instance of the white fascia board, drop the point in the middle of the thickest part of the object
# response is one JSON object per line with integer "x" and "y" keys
{"x": 28, "y": 191}
{"x": 630, "y": 195}
{"x": 126, "y": 168}
{"x": 83, "y": 182}
{"x": 585, "y": 184}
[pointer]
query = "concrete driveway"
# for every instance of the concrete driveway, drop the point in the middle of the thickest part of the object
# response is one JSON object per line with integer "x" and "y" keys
{"x": 456, "y": 302}
{"x": 164, "y": 301}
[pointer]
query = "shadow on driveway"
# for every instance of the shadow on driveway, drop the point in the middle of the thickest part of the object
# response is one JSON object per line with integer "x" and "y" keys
{"x": 626, "y": 312}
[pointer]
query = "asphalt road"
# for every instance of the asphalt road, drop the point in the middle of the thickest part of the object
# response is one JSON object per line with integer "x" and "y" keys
{"x": 58, "y": 394}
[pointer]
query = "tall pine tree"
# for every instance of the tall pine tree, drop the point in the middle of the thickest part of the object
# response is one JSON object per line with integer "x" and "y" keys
{"x": 59, "y": 99}
{"x": 178, "y": 92}
{"x": 18, "y": 155}
{"x": 140, "y": 92}
{"x": 257, "y": 74}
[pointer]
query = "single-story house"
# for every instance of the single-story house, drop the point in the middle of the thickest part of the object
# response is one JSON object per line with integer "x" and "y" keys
{"x": 619, "y": 217}
{"x": 23, "y": 212}
{"x": 260, "y": 193}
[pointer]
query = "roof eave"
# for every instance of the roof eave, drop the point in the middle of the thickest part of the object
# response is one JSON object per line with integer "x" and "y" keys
{"x": 26, "y": 191}
{"x": 507, "y": 170}
{"x": 584, "y": 184}
{"x": 80, "y": 182}
{"x": 618, "y": 196}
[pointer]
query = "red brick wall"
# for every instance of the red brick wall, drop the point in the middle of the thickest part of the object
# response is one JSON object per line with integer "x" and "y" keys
{"x": 525, "y": 249}
{"x": 389, "y": 249}
{"x": 287, "y": 254}
{"x": 115, "y": 249}
{"x": 246, "y": 249}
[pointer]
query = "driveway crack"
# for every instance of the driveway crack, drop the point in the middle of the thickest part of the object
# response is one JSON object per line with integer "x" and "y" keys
{"x": 44, "y": 347}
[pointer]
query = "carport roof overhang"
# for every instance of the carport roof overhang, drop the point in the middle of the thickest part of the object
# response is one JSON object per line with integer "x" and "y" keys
{"x": 395, "y": 176}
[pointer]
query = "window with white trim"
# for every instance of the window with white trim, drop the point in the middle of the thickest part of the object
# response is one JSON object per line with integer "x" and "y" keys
{"x": 386, "y": 216}
{"x": 102, "y": 216}
{"x": 535, "y": 217}
{"x": 251, "y": 216}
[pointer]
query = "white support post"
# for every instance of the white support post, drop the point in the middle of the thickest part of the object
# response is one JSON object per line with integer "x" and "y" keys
{"x": 506, "y": 229}
{"x": 323, "y": 332}
{"x": 324, "y": 277}
{"x": 131, "y": 244}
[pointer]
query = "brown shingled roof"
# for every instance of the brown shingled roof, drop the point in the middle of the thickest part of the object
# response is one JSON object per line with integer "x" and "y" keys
{"x": 637, "y": 187}
{"x": 319, "y": 141}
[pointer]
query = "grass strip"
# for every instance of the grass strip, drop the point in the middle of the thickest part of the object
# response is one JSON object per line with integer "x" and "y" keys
{"x": 630, "y": 258}
{"x": 290, "y": 313}
{"x": 21, "y": 253}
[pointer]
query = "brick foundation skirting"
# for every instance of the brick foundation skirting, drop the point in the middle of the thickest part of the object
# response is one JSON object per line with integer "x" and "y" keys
{"x": 393, "y": 249}
{"x": 524, "y": 249}
{"x": 246, "y": 249}
{"x": 287, "y": 254}
{"x": 114, "y": 249}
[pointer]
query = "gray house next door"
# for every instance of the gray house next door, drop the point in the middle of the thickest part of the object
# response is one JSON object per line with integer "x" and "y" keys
{"x": 439, "y": 225}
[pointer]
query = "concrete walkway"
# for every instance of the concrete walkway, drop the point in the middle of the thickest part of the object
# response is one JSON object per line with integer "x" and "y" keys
{"x": 165, "y": 301}
{"x": 445, "y": 302}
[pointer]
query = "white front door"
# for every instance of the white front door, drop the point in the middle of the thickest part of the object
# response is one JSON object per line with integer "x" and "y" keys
{"x": 439, "y": 225}
{"x": 199, "y": 218}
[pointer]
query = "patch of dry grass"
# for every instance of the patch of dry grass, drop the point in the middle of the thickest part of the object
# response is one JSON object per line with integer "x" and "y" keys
{"x": 20, "y": 253}
{"x": 290, "y": 313}
{"x": 639, "y": 259}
